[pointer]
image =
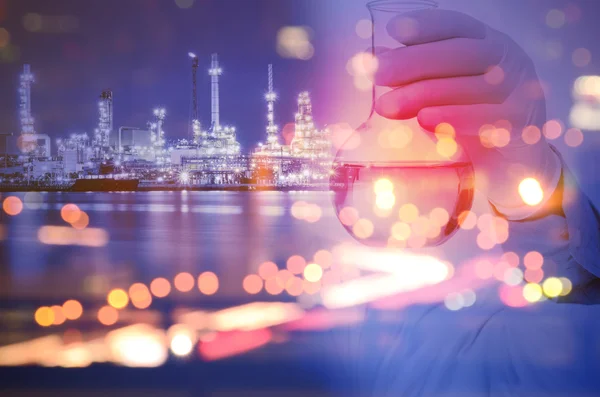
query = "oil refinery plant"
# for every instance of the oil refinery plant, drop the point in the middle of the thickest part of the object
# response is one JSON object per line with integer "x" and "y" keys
{"x": 208, "y": 158}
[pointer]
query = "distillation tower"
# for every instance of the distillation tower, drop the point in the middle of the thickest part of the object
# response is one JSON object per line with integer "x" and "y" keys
{"x": 157, "y": 136}
{"x": 219, "y": 140}
{"x": 215, "y": 71}
{"x": 157, "y": 133}
{"x": 308, "y": 140}
{"x": 272, "y": 129}
{"x": 214, "y": 156}
{"x": 304, "y": 127}
{"x": 105, "y": 124}
{"x": 272, "y": 147}
{"x": 29, "y": 141}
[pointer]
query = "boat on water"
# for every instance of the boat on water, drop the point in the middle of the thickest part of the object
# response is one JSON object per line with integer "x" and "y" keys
{"x": 105, "y": 185}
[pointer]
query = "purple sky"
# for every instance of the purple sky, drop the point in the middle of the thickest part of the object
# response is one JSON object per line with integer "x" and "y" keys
{"x": 138, "y": 48}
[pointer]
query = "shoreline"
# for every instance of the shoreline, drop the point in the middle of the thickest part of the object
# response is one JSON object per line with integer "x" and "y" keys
{"x": 206, "y": 188}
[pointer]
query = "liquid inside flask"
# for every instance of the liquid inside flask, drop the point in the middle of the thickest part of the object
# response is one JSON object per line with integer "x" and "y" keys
{"x": 395, "y": 184}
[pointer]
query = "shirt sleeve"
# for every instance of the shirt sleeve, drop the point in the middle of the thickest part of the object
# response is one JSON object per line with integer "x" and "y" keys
{"x": 548, "y": 176}
{"x": 583, "y": 225}
{"x": 568, "y": 238}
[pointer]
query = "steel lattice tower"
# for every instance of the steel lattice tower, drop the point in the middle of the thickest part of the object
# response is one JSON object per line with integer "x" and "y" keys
{"x": 194, "y": 86}
{"x": 272, "y": 129}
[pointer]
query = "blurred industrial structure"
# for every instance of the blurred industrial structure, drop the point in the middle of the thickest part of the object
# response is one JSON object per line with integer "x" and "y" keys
{"x": 30, "y": 142}
{"x": 209, "y": 156}
{"x": 105, "y": 125}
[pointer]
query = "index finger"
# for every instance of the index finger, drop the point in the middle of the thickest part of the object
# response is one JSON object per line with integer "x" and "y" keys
{"x": 426, "y": 26}
{"x": 442, "y": 59}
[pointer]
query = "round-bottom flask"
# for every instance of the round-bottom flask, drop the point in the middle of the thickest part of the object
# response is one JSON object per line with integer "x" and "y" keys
{"x": 395, "y": 184}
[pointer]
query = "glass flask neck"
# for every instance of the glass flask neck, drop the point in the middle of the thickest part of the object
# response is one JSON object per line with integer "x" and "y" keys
{"x": 382, "y": 13}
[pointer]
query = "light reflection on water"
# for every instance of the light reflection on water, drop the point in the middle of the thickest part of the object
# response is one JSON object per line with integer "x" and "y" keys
{"x": 168, "y": 236}
{"x": 161, "y": 234}
{"x": 44, "y": 261}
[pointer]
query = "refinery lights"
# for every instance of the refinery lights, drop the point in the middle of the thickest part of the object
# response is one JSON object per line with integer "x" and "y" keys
{"x": 184, "y": 177}
{"x": 160, "y": 113}
{"x": 215, "y": 71}
{"x": 210, "y": 154}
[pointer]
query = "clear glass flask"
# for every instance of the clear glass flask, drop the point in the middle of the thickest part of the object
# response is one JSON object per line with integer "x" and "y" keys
{"x": 395, "y": 184}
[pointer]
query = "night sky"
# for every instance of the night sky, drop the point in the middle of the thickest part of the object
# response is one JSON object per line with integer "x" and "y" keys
{"x": 138, "y": 49}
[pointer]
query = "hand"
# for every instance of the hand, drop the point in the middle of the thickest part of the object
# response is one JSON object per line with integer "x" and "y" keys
{"x": 456, "y": 70}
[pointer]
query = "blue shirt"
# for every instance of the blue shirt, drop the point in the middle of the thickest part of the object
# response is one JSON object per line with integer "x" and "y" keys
{"x": 550, "y": 348}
